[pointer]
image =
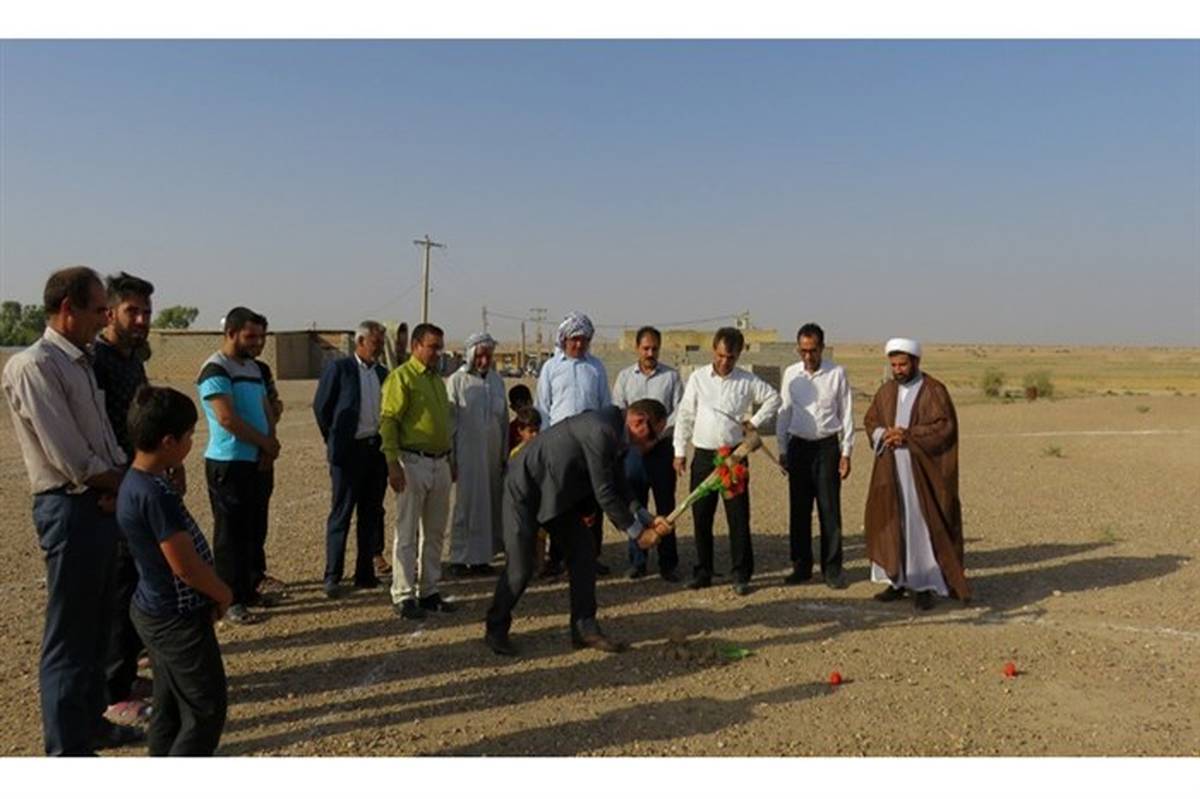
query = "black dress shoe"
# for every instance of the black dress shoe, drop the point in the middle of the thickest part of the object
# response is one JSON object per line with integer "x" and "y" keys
{"x": 742, "y": 589}
{"x": 500, "y": 644}
{"x": 587, "y": 635}
{"x": 837, "y": 581}
{"x": 602, "y": 569}
{"x": 333, "y": 590}
{"x": 670, "y": 575}
{"x": 457, "y": 570}
{"x": 636, "y": 572}
{"x": 923, "y": 600}
{"x": 797, "y": 577}
{"x": 700, "y": 580}
{"x": 481, "y": 569}
{"x": 409, "y": 609}
{"x": 112, "y": 736}
{"x": 436, "y": 603}
{"x": 890, "y": 594}
{"x": 366, "y": 582}
{"x": 550, "y": 570}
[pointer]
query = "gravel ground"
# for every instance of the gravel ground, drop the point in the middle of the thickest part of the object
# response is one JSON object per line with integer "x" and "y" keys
{"x": 1081, "y": 545}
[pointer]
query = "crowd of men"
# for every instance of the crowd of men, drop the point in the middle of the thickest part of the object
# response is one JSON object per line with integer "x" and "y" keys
{"x": 129, "y": 572}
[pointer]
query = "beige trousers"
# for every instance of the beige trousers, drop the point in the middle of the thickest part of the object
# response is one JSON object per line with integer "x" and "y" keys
{"x": 422, "y": 510}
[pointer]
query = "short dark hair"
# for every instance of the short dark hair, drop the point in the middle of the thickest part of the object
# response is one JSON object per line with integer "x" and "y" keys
{"x": 647, "y": 330}
{"x": 732, "y": 337}
{"x": 402, "y": 327}
{"x": 157, "y": 412}
{"x": 72, "y": 283}
{"x": 426, "y": 329}
{"x": 519, "y": 392}
{"x": 529, "y": 417}
{"x": 650, "y": 407}
{"x": 812, "y": 330}
{"x": 123, "y": 285}
{"x": 239, "y": 317}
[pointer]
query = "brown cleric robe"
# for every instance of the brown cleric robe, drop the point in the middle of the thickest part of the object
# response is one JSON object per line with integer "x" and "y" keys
{"x": 933, "y": 448}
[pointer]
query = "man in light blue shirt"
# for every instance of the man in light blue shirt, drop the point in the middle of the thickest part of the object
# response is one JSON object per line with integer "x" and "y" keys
{"x": 572, "y": 381}
{"x": 652, "y": 470}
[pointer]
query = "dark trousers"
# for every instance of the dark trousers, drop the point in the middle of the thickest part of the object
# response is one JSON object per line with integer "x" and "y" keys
{"x": 190, "y": 693}
{"x": 235, "y": 493}
{"x": 80, "y": 544}
{"x": 266, "y": 487}
{"x": 358, "y": 483}
{"x": 737, "y": 515}
{"x": 813, "y": 474}
{"x": 654, "y": 471}
{"x": 557, "y": 553}
{"x": 576, "y": 542}
{"x": 124, "y": 643}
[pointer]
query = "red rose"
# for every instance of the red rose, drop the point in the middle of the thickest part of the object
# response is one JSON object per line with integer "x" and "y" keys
{"x": 1010, "y": 669}
{"x": 835, "y": 678}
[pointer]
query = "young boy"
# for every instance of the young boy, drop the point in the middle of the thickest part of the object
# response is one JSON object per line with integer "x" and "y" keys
{"x": 525, "y": 426}
{"x": 178, "y": 595}
{"x": 519, "y": 396}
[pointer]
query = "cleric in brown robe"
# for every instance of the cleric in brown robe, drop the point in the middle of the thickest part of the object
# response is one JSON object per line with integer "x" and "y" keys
{"x": 914, "y": 519}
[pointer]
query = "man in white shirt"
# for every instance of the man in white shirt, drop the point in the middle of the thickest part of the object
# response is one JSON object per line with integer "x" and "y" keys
{"x": 710, "y": 415}
{"x": 816, "y": 435}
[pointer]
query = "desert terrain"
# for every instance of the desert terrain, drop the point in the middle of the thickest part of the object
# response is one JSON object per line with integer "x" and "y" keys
{"x": 1082, "y": 541}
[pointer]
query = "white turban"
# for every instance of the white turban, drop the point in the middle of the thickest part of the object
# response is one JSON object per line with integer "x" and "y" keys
{"x": 909, "y": 345}
{"x": 576, "y": 323}
{"x": 471, "y": 345}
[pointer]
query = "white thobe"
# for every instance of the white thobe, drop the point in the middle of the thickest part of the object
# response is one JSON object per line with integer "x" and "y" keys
{"x": 919, "y": 569}
{"x": 479, "y": 410}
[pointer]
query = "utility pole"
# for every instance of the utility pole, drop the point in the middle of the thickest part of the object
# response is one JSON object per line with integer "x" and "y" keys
{"x": 428, "y": 245}
{"x": 538, "y": 316}
{"x": 521, "y": 359}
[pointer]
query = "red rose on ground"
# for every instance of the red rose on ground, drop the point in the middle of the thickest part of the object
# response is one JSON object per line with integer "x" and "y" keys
{"x": 1010, "y": 669}
{"x": 835, "y": 678}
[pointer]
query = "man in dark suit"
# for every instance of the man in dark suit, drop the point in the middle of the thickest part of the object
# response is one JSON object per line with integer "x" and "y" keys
{"x": 347, "y": 406}
{"x": 560, "y": 481}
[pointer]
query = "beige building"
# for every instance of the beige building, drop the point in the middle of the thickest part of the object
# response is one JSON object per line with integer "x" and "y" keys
{"x": 291, "y": 354}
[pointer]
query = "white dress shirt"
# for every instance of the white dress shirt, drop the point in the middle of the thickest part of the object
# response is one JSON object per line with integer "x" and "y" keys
{"x": 368, "y": 400}
{"x": 816, "y": 405}
{"x": 712, "y": 408}
{"x": 59, "y": 416}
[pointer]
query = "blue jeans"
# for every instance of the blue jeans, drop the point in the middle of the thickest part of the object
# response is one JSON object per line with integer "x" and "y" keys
{"x": 80, "y": 545}
{"x": 654, "y": 472}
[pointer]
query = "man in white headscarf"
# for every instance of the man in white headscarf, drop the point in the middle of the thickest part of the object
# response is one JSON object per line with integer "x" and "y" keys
{"x": 570, "y": 382}
{"x": 479, "y": 411}
{"x": 913, "y": 521}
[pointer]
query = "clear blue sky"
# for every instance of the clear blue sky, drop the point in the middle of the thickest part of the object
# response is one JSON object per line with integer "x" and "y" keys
{"x": 951, "y": 191}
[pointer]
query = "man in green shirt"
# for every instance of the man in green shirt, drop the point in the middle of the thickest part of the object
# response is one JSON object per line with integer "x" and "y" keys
{"x": 414, "y": 423}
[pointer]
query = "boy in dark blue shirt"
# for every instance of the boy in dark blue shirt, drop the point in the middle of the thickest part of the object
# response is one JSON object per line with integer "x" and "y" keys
{"x": 178, "y": 595}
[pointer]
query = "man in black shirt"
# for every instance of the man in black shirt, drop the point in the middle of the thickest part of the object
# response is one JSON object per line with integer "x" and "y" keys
{"x": 118, "y": 357}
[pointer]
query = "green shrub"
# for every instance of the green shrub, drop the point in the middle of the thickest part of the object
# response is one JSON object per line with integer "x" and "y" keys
{"x": 992, "y": 382}
{"x": 1038, "y": 385}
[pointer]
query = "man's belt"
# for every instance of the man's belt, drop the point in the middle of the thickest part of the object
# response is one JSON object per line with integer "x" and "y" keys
{"x": 434, "y": 455}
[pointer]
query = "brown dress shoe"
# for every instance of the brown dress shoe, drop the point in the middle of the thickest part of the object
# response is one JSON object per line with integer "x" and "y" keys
{"x": 587, "y": 635}
{"x": 382, "y": 567}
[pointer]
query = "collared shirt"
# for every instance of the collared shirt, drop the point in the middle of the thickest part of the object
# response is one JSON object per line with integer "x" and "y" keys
{"x": 415, "y": 411}
{"x": 816, "y": 405}
{"x": 662, "y": 384}
{"x": 712, "y": 408}
{"x": 119, "y": 376}
{"x": 368, "y": 399}
{"x": 567, "y": 387}
{"x": 59, "y": 416}
{"x": 243, "y": 383}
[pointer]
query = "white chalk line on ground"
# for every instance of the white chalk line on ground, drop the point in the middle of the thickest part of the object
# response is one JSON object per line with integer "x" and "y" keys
{"x": 1057, "y": 433}
{"x": 981, "y": 612}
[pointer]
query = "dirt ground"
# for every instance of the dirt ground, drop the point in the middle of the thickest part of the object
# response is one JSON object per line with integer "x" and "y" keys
{"x": 1082, "y": 539}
